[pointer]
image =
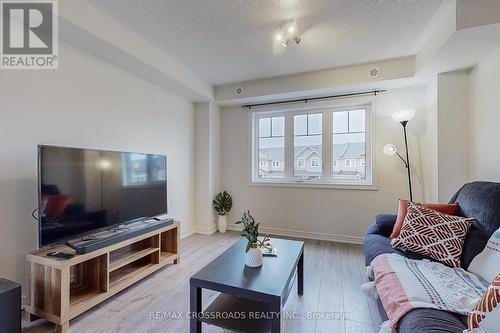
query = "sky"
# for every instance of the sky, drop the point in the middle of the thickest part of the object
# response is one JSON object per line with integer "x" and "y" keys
{"x": 308, "y": 128}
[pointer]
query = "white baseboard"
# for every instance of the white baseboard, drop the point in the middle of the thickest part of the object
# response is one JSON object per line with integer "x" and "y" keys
{"x": 206, "y": 230}
{"x": 304, "y": 234}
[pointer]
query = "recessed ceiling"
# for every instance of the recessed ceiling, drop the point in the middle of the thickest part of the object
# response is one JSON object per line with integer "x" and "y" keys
{"x": 227, "y": 41}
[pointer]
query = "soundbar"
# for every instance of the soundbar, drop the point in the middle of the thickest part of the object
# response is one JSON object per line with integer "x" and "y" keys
{"x": 110, "y": 237}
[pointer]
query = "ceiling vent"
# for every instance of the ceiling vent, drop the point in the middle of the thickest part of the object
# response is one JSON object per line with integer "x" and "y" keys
{"x": 238, "y": 91}
{"x": 374, "y": 72}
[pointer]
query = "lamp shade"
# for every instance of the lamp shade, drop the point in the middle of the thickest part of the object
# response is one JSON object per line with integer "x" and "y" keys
{"x": 390, "y": 149}
{"x": 403, "y": 115}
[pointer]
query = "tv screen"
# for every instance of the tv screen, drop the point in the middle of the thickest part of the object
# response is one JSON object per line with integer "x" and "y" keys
{"x": 84, "y": 190}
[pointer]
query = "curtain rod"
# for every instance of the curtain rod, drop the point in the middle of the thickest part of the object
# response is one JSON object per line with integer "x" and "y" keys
{"x": 309, "y": 99}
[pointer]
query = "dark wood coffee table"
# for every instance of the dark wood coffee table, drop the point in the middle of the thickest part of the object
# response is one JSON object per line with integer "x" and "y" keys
{"x": 251, "y": 299}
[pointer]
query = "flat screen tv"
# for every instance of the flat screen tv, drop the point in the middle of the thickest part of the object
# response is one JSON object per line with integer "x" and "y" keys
{"x": 82, "y": 191}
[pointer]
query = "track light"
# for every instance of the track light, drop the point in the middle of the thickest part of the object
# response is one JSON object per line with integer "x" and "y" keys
{"x": 286, "y": 32}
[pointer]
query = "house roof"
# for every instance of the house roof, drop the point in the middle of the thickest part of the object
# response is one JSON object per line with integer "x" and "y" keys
{"x": 310, "y": 150}
{"x": 348, "y": 150}
{"x": 341, "y": 150}
{"x": 272, "y": 154}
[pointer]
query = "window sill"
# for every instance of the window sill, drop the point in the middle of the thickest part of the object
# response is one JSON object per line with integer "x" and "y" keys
{"x": 339, "y": 186}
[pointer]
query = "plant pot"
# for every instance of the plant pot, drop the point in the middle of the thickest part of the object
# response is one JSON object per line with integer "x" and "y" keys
{"x": 253, "y": 257}
{"x": 222, "y": 223}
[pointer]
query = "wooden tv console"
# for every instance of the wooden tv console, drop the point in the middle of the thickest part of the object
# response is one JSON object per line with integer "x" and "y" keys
{"x": 59, "y": 290}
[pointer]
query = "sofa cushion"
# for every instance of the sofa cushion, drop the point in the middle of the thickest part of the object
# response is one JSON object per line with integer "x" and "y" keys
{"x": 374, "y": 244}
{"x": 480, "y": 200}
{"x": 487, "y": 263}
{"x": 431, "y": 321}
{"x": 450, "y": 209}
{"x": 384, "y": 224}
{"x": 475, "y": 241}
{"x": 435, "y": 234}
{"x": 377, "y": 242}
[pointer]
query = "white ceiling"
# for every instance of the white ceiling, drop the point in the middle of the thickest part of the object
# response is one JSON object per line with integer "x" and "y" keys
{"x": 226, "y": 41}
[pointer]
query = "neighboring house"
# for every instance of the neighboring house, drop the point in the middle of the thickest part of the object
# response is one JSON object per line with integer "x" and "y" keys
{"x": 271, "y": 162}
{"x": 308, "y": 162}
{"x": 348, "y": 162}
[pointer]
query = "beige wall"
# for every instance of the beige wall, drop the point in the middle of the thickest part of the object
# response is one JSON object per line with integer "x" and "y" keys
{"x": 329, "y": 212}
{"x": 85, "y": 103}
{"x": 207, "y": 169}
{"x": 485, "y": 120}
{"x": 453, "y": 132}
{"x": 430, "y": 160}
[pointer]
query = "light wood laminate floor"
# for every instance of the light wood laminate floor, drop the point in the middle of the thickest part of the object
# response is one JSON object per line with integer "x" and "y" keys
{"x": 333, "y": 273}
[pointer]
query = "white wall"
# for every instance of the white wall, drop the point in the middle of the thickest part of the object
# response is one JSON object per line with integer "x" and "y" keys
{"x": 484, "y": 159}
{"x": 328, "y": 212}
{"x": 431, "y": 158}
{"x": 453, "y": 132}
{"x": 207, "y": 170}
{"x": 85, "y": 103}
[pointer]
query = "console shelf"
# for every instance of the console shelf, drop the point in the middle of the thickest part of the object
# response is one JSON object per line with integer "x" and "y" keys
{"x": 59, "y": 290}
{"x": 128, "y": 257}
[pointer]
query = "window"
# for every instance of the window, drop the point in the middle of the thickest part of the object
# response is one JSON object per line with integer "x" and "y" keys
{"x": 307, "y": 144}
{"x": 349, "y": 143}
{"x": 271, "y": 146}
{"x": 142, "y": 169}
{"x": 317, "y": 145}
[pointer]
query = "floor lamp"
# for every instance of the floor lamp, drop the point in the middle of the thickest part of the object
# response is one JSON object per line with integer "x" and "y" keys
{"x": 402, "y": 117}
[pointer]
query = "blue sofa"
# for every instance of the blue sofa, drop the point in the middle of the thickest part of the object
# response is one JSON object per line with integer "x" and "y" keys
{"x": 480, "y": 200}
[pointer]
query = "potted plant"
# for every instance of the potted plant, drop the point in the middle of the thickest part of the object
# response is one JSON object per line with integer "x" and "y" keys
{"x": 222, "y": 205}
{"x": 253, "y": 256}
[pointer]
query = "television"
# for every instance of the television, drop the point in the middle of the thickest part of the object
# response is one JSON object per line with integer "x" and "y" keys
{"x": 82, "y": 191}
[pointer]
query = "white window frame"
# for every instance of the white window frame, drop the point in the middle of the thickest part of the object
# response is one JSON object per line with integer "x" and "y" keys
{"x": 299, "y": 164}
{"x": 327, "y": 108}
{"x": 127, "y": 173}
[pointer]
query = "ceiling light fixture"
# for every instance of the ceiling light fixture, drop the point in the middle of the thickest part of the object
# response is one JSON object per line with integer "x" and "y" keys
{"x": 286, "y": 32}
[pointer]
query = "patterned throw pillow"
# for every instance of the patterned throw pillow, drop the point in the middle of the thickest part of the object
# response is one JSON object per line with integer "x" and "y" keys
{"x": 450, "y": 209}
{"x": 434, "y": 234}
{"x": 485, "y": 317}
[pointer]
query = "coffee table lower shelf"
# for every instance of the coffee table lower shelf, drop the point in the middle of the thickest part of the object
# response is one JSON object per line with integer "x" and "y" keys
{"x": 254, "y": 316}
